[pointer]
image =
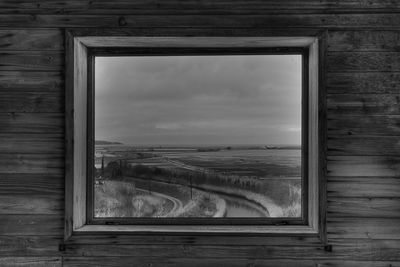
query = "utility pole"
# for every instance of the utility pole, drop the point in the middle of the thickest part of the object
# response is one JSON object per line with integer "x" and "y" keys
{"x": 102, "y": 166}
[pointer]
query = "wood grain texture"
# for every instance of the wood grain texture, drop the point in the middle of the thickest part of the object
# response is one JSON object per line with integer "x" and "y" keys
{"x": 126, "y": 261}
{"x": 27, "y": 40}
{"x": 32, "y": 163}
{"x": 372, "y": 166}
{"x": 27, "y": 224}
{"x": 384, "y": 41}
{"x": 364, "y": 125}
{"x": 349, "y": 249}
{"x": 28, "y": 123}
{"x": 31, "y": 102}
{"x": 374, "y": 228}
{"x": 202, "y": 7}
{"x": 31, "y": 194}
{"x": 27, "y": 143}
{"x": 31, "y": 60}
{"x": 31, "y": 81}
{"x": 364, "y": 207}
{"x": 364, "y": 146}
{"x": 30, "y": 261}
{"x": 377, "y": 20}
{"x": 363, "y": 61}
{"x": 363, "y": 104}
{"x": 29, "y": 245}
{"x": 363, "y": 83}
{"x": 363, "y": 187}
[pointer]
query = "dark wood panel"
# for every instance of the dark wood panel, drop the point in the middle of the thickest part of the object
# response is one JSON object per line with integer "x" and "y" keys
{"x": 30, "y": 261}
{"x": 32, "y": 123}
{"x": 354, "y": 249}
{"x": 87, "y": 7}
{"x": 372, "y": 166}
{"x": 362, "y": 61}
{"x": 212, "y": 251}
{"x": 21, "y": 39}
{"x": 367, "y": 249}
{"x": 31, "y": 60}
{"x": 23, "y": 224}
{"x": 187, "y": 261}
{"x": 11, "y": 101}
{"x": 26, "y": 81}
{"x": 187, "y": 239}
{"x": 360, "y": 145}
{"x": 363, "y": 83}
{"x": 374, "y": 228}
{"x": 31, "y": 194}
{"x": 31, "y": 204}
{"x": 32, "y": 163}
{"x": 364, "y": 41}
{"x": 385, "y": 125}
{"x": 32, "y": 143}
{"x": 225, "y": 21}
{"x": 368, "y": 104}
{"x": 363, "y": 207}
{"x": 363, "y": 187}
{"x": 30, "y": 245}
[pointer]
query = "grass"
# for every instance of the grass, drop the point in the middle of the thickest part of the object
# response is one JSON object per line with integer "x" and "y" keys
{"x": 121, "y": 199}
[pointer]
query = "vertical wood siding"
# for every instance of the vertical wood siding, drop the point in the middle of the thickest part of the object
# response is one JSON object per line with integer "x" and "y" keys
{"x": 363, "y": 128}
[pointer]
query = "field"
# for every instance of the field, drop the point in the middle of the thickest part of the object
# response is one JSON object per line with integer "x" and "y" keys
{"x": 206, "y": 181}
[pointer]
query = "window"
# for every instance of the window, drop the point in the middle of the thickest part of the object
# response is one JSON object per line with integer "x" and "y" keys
{"x": 192, "y": 134}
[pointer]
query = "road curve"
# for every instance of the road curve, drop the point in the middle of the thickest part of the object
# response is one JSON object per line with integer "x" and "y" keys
{"x": 177, "y": 203}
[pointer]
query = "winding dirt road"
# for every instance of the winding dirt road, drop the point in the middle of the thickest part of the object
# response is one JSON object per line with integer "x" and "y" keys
{"x": 176, "y": 202}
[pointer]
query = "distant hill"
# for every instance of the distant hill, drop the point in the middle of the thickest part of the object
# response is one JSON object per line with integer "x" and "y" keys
{"x": 101, "y": 142}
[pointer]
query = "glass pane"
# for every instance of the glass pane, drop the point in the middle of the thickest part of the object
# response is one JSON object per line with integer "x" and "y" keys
{"x": 198, "y": 136}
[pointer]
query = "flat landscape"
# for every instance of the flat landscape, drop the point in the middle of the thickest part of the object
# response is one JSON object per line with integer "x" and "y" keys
{"x": 197, "y": 181}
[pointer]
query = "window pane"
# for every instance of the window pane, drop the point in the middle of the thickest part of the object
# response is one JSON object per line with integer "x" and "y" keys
{"x": 198, "y": 136}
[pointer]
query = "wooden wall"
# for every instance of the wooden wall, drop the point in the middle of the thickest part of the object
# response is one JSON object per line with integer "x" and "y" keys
{"x": 362, "y": 79}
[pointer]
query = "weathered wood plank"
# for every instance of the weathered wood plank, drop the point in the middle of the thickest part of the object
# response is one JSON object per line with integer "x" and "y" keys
{"x": 32, "y": 60}
{"x": 355, "y": 249}
{"x": 364, "y": 41}
{"x": 362, "y": 61}
{"x": 30, "y": 245}
{"x": 31, "y": 204}
{"x": 226, "y": 21}
{"x": 385, "y": 125}
{"x": 32, "y": 163}
{"x": 30, "y": 261}
{"x": 31, "y": 102}
{"x": 187, "y": 261}
{"x": 23, "y": 224}
{"x": 368, "y": 104}
{"x": 21, "y": 39}
{"x": 32, "y": 123}
{"x": 88, "y": 7}
{"x": 375, "y": 228}
{"x": 32, "y": 143}
{"x": 371, "y": 166}
{"x": 187, "y": 239}
{"x": 31, "y": 81}
{"x": 363, "y": 83}
{"x": 363, "y": 207}
{"x": 31, "y": 194}
{"x": 363, "y": 146}
{"x": 366, "y": 249}
{"x": 363, "y": 187}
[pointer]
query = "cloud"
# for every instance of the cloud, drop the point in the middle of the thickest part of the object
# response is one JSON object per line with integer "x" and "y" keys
{"x": 199, "y": 99}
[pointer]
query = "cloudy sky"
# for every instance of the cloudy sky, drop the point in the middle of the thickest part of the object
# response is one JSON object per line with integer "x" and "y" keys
{"x": 174, "y": 100}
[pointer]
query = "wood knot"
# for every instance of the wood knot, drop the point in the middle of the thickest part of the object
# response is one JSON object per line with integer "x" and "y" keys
{"x": 122, "y": 21}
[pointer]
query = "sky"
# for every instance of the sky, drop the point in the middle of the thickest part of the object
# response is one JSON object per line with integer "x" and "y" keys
{"x": 199, "y": 100}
